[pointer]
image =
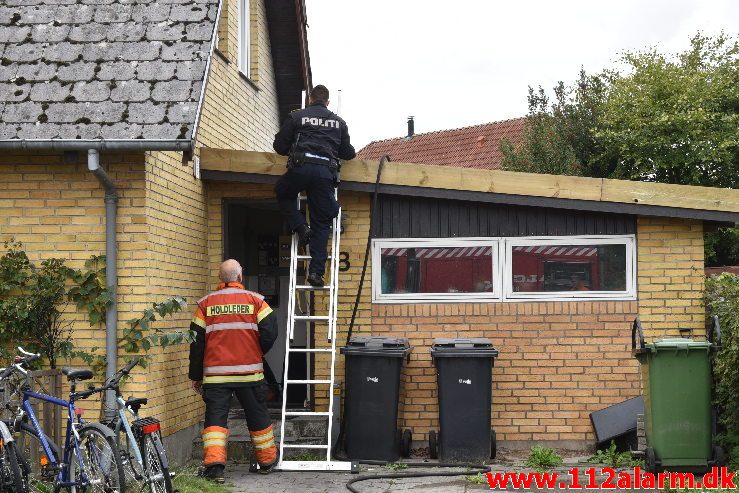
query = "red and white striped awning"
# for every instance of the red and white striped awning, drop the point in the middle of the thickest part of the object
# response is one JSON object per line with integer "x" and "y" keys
{"x": 459, "y": 252}
{"x": 558, "y": 251}
{"x": 480, "y": 251}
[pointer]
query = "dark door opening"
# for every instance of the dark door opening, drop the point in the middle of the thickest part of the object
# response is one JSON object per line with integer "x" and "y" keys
{"x": 256, "y": 237}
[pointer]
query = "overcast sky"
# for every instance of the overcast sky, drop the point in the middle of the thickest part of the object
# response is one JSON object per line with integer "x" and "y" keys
{"x": 455, "y": 64}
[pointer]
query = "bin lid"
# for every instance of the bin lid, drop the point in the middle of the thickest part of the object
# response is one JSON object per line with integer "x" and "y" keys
{"x": 475, "y": 347}
{"x": 377, "y": 346}
{"x": 678, "y": 343}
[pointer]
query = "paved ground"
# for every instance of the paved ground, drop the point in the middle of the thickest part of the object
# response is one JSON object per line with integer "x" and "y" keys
{"x": 242, "y": 481}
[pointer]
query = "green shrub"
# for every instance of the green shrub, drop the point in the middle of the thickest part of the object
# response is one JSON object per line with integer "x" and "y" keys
{"x": 543, "y": 458}
{"x": 722, "y": 299}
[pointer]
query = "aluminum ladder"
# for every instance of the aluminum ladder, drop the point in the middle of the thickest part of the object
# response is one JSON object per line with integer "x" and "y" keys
{"x": 296, "y": 259}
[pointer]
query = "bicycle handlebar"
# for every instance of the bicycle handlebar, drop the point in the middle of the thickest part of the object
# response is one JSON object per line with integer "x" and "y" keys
{"x": 129, "y": 366}
{"x": 110, "y": 384}
{"x": 7, "y": 372}
{"x": 20, "y": 361}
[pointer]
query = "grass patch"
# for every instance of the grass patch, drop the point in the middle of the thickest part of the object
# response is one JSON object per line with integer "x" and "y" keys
{"x": 306, "y": 456}
{"x": 615, "y": 459}
{"x": 543, "y": 458}
{"x": 478, "y": 478}
{"x": 396, "y": 466}
{"x": 187, "y": 481}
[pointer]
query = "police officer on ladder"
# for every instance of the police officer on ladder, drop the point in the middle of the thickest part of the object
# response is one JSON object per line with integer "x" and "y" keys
{"x": 314, "y": 139}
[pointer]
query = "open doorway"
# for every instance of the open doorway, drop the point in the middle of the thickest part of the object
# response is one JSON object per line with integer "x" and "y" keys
{"x": 256, "y": 237}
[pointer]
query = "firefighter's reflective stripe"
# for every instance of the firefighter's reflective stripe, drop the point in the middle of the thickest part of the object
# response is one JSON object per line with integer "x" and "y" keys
{"x": 225, "y": 370}
{"x": 264, "y": 445}
{"x": 199, "y": 319}
{"x": 263, "y": 313}
{"x": 215, "y": 439}
{"x": 251, "y": 377}
{"x": 230, "y": 326}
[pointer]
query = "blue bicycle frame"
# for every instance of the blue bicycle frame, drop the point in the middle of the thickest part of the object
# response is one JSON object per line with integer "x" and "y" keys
{"x": 62, "y": 477}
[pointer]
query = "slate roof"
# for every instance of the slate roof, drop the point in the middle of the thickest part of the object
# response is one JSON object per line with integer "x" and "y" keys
{"x": 468, "y": 147}
{"x": 110, "y": 69}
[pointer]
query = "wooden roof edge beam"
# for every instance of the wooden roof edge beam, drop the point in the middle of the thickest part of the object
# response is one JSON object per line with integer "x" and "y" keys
{"x": 494, "y": 181}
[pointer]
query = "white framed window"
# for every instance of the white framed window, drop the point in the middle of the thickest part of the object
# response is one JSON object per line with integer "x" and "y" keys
{"x": 552, "y": 268}
{"x": 433, "y": 270}
{"x": 245, "y": 37}
{"x": 570, "y": 268}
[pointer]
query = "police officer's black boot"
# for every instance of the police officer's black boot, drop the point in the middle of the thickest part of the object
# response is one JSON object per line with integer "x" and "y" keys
{"x": 304, "y": 236}
{"x": 315, "y": 280}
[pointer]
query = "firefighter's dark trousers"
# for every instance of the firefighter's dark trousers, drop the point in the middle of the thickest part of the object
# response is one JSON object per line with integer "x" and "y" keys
{"x": 318, "y": 183}
{"x": 215, "y": 433}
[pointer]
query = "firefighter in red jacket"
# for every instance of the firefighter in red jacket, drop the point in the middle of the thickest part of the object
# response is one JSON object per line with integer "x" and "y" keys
{"x": 234, "y": 328}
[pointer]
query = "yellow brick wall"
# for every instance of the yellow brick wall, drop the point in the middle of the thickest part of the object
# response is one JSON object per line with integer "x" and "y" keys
{"x": 184, "y": 213}
{"x": 670, "y": 276}
{"x": 176, "y": 254}
{"x": 236, "y": 113}
{"x": 57, "y": 210}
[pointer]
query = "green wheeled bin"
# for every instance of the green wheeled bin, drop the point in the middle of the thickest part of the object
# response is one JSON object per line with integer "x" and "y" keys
{"x": 676, "y": 382}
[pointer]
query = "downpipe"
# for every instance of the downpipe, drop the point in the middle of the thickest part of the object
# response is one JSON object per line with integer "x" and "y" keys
{"x": 111, "y": 274}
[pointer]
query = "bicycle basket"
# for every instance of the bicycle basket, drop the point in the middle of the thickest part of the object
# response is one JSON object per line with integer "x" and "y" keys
{"x": 145, "y": 426}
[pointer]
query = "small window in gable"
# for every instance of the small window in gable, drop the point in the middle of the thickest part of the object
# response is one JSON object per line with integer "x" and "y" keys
{"x": 245, "y": 37}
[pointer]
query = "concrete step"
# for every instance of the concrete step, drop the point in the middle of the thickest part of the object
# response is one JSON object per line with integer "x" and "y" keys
{"x": 299, "y": 430}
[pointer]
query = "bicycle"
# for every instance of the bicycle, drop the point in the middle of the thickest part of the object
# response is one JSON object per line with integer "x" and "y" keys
{"x": 139, "y": 442}
{"x": 90, "y": 461}
{"x": 13, "y": 477}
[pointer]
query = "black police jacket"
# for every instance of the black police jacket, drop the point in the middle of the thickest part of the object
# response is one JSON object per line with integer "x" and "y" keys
{"x": 317, "y": 131}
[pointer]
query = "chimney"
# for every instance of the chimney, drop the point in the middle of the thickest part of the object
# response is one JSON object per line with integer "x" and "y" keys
{"x": 410, "y": 127}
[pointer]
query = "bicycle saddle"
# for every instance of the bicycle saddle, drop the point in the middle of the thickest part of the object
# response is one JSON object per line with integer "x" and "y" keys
{"x": 77, "y": 374}
{"x": 137, "y": 401}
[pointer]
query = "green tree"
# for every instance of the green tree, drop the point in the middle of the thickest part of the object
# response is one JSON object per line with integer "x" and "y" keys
{"x": 674, "y": 119}
{"x": 663, "y": 118}
{"x": 544, "y": 148}
{"x": 560, "y": 137}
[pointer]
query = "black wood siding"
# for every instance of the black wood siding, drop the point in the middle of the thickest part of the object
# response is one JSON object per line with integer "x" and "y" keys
{"x": 417, "y": 217}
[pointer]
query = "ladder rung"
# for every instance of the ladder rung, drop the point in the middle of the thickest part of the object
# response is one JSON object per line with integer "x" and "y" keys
{"x": 311, "y": 317}
{"x": 308, "y": 287}
{"x": 303, "y": 257}
{"x": 289, "y": 382}
{"x": 289, "y": 445}
{"x": 307, "y": 413}
{"x": 310, "y": 350}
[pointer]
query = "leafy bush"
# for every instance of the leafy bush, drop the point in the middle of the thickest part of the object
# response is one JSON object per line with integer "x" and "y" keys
{"x": 33, "y": 300}
{"x": 543, "y": 458}
{"x": 722, "y": 299}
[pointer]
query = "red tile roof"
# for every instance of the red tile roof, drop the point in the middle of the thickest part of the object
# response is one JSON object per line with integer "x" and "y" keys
{"x": 468, "y": 147}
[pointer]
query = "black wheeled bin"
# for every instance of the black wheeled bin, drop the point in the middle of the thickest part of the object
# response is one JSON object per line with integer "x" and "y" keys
{"x": 372, "y": 370}
{"x": 464, "y": 375}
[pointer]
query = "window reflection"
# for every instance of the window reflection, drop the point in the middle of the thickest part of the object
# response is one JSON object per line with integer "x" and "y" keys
{"x": 437, "y": 270}
{"x": 539, "y": 268}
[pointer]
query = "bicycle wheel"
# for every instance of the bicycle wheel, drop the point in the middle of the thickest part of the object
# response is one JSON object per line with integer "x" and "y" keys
{"x": 12, "y": 478}
{"x": 132, "y": 468}
{"x": 154, "y": 462}
{"x": 101, "y": 462}
{"x": 34, "y": 462}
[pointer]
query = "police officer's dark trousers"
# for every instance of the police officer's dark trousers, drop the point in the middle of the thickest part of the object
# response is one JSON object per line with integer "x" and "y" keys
{"x": 318, "y": 181}
{"x": 252, "y": 398}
